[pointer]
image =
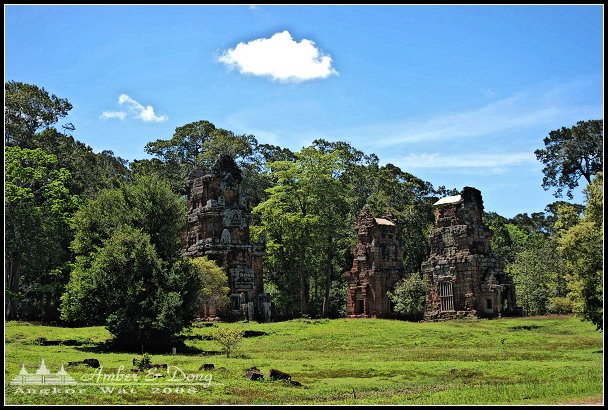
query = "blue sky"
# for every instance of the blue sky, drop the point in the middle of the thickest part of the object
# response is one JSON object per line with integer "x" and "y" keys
{"x": 456, "y": 95}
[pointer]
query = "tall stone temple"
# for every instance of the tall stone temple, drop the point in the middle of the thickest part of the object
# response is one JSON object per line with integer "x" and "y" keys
{"x": 465, "y": 278}
{"x": 218, "y": 227}
{"x": 377, "y": 266}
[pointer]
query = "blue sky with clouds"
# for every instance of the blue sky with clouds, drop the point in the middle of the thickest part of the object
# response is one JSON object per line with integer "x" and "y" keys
{"x": 456, "y": 95}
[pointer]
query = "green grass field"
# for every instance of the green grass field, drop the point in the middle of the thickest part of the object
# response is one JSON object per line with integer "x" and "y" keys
{"x": 541, "y": 360}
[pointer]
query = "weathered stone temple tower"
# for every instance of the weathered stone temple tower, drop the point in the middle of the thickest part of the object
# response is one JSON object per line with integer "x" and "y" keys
{"x": 218, "y": 227}
{"x": 377, "y": 266}
{"x": 465, "y": 277}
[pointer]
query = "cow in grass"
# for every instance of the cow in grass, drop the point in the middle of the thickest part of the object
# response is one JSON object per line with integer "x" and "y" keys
{"x": 279, "y": 375}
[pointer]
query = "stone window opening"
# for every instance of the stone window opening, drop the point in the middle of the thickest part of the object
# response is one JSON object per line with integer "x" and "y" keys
{"x": 489, "y": 304}
{"x": 359, "y": 303}
{"x": 446, "y": 296}
{"x": 235, "y": 302}
{"x": 360, "y": 307}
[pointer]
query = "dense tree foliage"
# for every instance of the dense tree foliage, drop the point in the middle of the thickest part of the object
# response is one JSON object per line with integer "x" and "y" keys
{"x": 38, "y": 205}
{"x": 572, "y": 153}
{"x": 539, "y": 275}
{"x": 581, "y": 246}
{"x": 42, "y": 160}
{"x": 305, "y": 220}
{"x": 128, "y": 272}
{"x": 409, "y": 297}
{"x": 214, "y": 290}
{"x": 142, "y": 299}
{"x": 28, "y": 109}
{"x": 90, "y": 171}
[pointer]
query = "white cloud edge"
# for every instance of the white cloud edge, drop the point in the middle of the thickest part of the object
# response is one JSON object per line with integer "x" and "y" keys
{"x": 106, "y": 115}
{"x": 144, "y": 113}
{"x": 279, "y": 57}
{"x": 465, "y": 160}
{"x": 139, "y": 111}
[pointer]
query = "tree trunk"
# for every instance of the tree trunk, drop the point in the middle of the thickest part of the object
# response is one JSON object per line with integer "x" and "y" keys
{"x": 304, "y": 291}
{"x": 13, "y": 271}
{"x": 328, "y": 277}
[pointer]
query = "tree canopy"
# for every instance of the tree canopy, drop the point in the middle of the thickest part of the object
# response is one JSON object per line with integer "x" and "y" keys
{"x": 572, "y": 153}
{"x": 38, "y": 206}
{"x": 128, "y": 273}
{"x": 27, "y": 109}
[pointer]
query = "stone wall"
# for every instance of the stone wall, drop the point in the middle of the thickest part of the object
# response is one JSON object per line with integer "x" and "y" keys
{"x": 465, "y": 278}
{"x": 377, "y": 266}
{"x": 218, "y": 227}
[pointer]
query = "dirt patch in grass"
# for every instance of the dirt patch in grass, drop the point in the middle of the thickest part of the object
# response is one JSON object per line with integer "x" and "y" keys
{"x": 597, "y": 400}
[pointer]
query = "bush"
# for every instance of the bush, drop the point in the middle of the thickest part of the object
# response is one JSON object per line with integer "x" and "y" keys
{"x": 561, "y": 305}
{"x": 128, "y": 272}
{"x": 227, "y": 338}
{"x": 215, "y": 288}
{"x": 409, "y": 297}
{"x": 143, "y": 300}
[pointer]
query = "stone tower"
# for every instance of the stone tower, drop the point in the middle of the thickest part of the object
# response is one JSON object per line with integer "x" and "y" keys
{"x": 377, "y": 266}
{"x": 465, "y": 277}
{"x": 218, "y": 227}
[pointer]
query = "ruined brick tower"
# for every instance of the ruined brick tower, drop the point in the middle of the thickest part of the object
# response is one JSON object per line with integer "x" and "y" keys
{"x": 377, "y": 266}
{"x": 465, "y": 277}
{"x": 218, "y": 227}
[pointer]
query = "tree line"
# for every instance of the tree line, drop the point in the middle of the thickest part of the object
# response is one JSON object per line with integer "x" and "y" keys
{"x": 91, "y": 238}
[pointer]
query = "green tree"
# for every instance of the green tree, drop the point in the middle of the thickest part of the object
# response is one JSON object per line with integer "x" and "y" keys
{"x": 409, "y": 297}
{"x": 536, "y": 270}
{"x": 90, "y": 171}
{"x": 147, "y": 204}
{"x": 227, "y": 338}
{"x": 500, "y": 242}
{"x": 215, "y": 290}
{"x": 581, "y": 246}
{"x": 38, "y": 206}
{"x": 128, "y": 272}
{"x": 305, "y": 222}
{"x": 27, "y": 109}
{"x": 143, "y": 300}
{"x": 198, "y": 143}
{"x": 561, "y": 215}
{"x": 572, "y": 153}
{"x": 30, "y": 113}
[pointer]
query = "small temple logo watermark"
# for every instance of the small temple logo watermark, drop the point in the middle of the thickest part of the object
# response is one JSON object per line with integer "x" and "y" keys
{"x": 42, "y": 376}
{"x": 117, "y": 381}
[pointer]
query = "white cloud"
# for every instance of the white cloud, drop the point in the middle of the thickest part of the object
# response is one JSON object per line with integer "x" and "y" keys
{"x": 281, "y": 58}
{"x": 476, "y": 160}
{"x": 146, "y": 114}
{"x": 106, "y": 115}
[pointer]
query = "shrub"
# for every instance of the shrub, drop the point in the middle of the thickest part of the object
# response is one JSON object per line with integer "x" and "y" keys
{"x": 128, "y": 272}
{"x": 143, "y": 300}
{"x": 409, "y": 297}
{"x": 561, "y": 305}
{"x": 227, "y": 338}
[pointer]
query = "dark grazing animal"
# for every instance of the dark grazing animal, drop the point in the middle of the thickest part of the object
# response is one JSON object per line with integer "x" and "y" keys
{"x": 278, "y": 375}
{"x": 254, "y": 374}
{"x": 89, "y": 362}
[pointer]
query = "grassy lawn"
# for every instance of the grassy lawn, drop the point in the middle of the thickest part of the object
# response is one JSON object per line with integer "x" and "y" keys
{"x": 541, "y": 360}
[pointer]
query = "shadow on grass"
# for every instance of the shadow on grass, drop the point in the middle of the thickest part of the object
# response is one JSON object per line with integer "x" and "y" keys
{"x": 110, "y": 346}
